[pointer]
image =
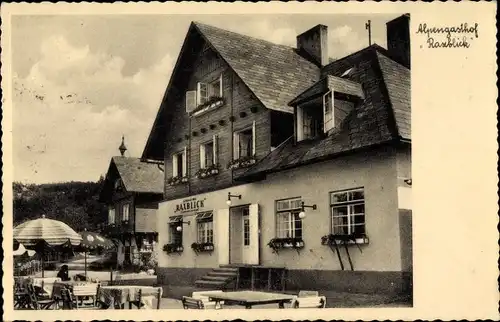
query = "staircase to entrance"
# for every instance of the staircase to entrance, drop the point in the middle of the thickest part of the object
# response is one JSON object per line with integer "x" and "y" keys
{"x": 218, "y": 278}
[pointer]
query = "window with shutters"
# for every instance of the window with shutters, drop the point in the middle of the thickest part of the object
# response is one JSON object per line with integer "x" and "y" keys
{"x": 126, "y": 212}
{"x": 244, "y": 152}
{"x": 288, "y": 222}
{"x": 208, "y": 159}
{"x": 179, "y": 168}
{"x": 208, "y": 96}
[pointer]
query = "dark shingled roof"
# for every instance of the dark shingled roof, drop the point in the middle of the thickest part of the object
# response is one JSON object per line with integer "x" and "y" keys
{"x": 382, "y": 116}
{"x": 274, "y": 73}
{"x": 138, "y": 176}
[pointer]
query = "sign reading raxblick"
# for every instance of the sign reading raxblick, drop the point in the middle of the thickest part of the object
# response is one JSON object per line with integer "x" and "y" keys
{"x": 460, "y": 36}
{"x": 191, "y": 204}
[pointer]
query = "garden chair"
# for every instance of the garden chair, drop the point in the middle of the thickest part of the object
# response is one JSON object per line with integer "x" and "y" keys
{"x": 146, "y": 302}
{"x": 310, "y": 302}
{"x": 37, "y": 303}
{"x": 86, "y": 294}
{"x": 191, "y": 303}
{"x": 308, "y": 293}
{"x": 206, "y": 300}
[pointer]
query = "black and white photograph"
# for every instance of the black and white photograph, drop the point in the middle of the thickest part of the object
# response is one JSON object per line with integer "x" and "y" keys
{"x": 212, "y": 161}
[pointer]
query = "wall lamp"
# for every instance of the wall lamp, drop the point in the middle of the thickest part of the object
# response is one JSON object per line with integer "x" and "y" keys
{"x": 408, "y": 181}
{"x": 229, "y": 196}
{"x": 302, "y": 213}
{"x": 179, "y": 228}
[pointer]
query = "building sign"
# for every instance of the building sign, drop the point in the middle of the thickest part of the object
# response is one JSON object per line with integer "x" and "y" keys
{"x": 191, "y": 204}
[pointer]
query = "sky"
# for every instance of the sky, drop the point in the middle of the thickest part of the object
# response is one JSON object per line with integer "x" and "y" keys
{"x": 81, "y": 82}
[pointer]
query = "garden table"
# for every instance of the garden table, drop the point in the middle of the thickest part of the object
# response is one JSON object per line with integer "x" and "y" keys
{"x": 250, "y": 298}
{"x": 117, "y": 295}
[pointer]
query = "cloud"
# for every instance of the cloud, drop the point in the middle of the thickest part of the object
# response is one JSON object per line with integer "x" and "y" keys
{"x": 343, "y": 41}
{"x": 264, "y": 29}
{"x": 72, "y": 108}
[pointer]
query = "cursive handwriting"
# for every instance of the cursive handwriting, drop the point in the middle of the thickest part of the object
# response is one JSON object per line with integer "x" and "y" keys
{"x": 449, "y": 37}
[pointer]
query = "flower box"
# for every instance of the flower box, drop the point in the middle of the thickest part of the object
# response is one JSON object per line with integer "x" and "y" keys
{"x": 177, "y": 180}
{"x": 352, "y": 239}
{"x": 202, "y": 247}
{"x": 284, "y": 243}
{"x": 212, "y": 103}
{"x": 242, "y": 162}
{"x": 208, "y": 172}
{"x": 173, "y": 248}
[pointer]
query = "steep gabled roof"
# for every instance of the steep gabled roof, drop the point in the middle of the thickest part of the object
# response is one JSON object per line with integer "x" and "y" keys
{"x": 136, "y": 176}
{"x": 273, "y": 73}
{"x": 382, "y": 116}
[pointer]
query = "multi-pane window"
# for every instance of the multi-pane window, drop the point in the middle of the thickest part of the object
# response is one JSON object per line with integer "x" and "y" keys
{"x": 348, "y": 212}
{"x": 288, "y": 222}
{"x": 205, "y": 91}
{"x": 179, "y": 164}
{"x": 328, "y": 111}
{"x": 312, "y": 122}
{"x": 174, "y": 233}
{"x": 246, "y": 227}
{"x": 125, "y": 212}
{"x": 208, "y": 153}
{"x": 111, "y": 215}
{"x": 244, "y": 143}
{"x": 205, "y": 227}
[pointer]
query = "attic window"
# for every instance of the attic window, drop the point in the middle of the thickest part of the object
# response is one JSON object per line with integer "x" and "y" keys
{"x": 348, "y": 72}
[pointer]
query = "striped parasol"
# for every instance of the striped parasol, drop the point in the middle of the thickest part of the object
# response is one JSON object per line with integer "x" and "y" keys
{"x": 92, "y": 240}
{"x": 53, "y": 232}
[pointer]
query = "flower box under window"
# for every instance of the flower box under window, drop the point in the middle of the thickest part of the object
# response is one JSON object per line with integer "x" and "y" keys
{"x": 177, "y": 180}
{"x": 173, "y": 248}
{"x": 202, "y": 247}
{"x": 344, "y": 239}
{"x": 213, "y": 102}
{"x": 283, "y": 243}
{"x": 208, "y": 172}
{"x": 242, "y": 162}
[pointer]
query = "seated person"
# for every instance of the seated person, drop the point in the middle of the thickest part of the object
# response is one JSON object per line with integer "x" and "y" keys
{"x": 64, "y": 273}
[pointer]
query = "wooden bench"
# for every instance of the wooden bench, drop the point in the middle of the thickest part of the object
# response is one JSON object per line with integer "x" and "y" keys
{"x": 310, "y": 302}
{"x": 192, "y": 303}
{"x": 206, "y": 299}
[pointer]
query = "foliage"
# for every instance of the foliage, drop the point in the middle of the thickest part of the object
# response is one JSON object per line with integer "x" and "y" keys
{"x": 74, "y": 203}
{"x": 177, "y": 180}
{"x": 208, "y": 171}
{"x": 173, "y": 248}
{"x": 279, "y": 243}
{"x": 242, "y": 162}
{"x": 202, "y": 247}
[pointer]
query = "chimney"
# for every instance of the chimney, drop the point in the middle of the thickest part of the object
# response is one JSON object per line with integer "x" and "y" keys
{"x": 398, "y": 39}
{"x": 314, "y": 43}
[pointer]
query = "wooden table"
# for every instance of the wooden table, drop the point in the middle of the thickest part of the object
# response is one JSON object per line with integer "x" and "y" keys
{"x": 250, "y": 298}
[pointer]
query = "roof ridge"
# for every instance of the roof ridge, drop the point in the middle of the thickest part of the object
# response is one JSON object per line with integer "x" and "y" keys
{"x": 196, "y": 23}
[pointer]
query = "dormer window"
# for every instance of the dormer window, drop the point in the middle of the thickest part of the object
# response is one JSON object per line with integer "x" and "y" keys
{"x": 348, "y": 72}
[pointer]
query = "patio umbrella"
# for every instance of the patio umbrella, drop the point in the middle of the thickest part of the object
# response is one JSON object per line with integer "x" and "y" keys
{"x": 92, "y": 240}
{"x": 44, "y": 233}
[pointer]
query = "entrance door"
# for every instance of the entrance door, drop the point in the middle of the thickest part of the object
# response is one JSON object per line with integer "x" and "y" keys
{"x": 244, "y": 235}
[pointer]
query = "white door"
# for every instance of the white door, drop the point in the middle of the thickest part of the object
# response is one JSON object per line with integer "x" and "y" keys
{"x": 222, "y": 233}
{"x": 250, "y": 223}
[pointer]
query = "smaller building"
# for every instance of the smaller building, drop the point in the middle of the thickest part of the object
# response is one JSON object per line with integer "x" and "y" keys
{"x": 131, "y": 190}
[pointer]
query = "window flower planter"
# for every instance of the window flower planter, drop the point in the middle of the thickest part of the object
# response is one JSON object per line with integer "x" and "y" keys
{"x": 173, "y": 248}
{"x": 283, "y": 243}
{"x": 177, "y": 180}
{"x": 352, "y": 239}
{"x": 242, "y": 162}
{"x": 207, "y": 172}
{"x": 211, "y": 103}
{"x": 202, "y": 247}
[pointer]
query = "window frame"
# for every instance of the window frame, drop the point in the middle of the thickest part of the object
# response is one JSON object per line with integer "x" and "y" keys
{"x": 293, "y": 216}
{"x": 203, "y": 154}
{"x": 351, "y": 222}
{"x": 126, "y": 206}
{"x": 236, "y": 142}
{"x": 173, "y": 223}
{"x": 205, "y": 221}
{"x": 183, "y": 164}
{"x": 111, "y": 214}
